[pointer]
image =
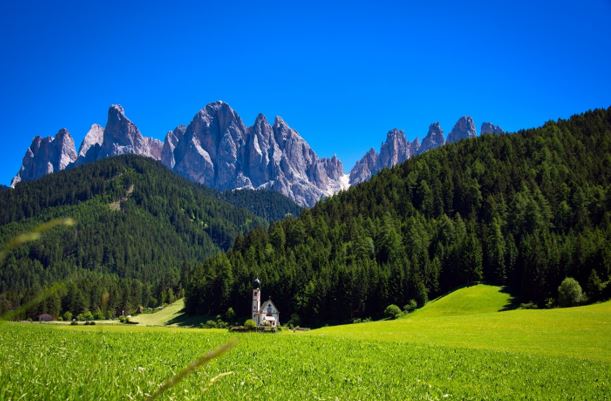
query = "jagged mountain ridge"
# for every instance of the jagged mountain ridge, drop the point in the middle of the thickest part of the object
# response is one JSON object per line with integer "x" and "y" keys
{"x": 218, "y": 150}
{"x": 396, "y": 149}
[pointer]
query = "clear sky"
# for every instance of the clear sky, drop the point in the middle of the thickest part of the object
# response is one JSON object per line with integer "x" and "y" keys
{"x": 341, "y": 74}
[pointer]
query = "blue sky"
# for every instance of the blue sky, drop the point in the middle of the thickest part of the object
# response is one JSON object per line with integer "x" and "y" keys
{"x": 342, "y": 74}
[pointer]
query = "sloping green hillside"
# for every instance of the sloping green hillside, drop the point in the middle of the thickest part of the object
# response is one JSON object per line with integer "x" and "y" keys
{"x": 139, "y": 228}
{"x": 523, "y": 211}
{"x": 470, "y": 318}
{"x": 467, "y": 301}
{"x": 162, "y": 317}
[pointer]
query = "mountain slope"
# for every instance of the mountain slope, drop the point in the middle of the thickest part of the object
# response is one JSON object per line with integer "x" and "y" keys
{"x": 269, "y": 205}
{"x": 523, "y": 210}
{"x": 139, "y": 227}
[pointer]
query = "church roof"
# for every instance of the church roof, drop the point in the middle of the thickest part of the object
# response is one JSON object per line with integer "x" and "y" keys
{"x": 269, "y": 301}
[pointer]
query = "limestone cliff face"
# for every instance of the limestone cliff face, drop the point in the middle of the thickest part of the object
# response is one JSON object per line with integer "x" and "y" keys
{"x": 463, "y": 129}
{"x": 364, "y": 168}
{"x": 394, "y": 150}
{"x": 433, "y": 139}
{"x": 45, "y": 156}
{"x": 169, "y": 144}
{"x": 489, "y": 128}
{"x": 93, "y": 139}
{"x": 216, "y": 149}
{"x": 219, "y": 151}
{"x": 121, "y": 136}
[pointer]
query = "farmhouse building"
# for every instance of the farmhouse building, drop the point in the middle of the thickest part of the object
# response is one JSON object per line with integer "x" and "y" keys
{"x": 266, "y": 315}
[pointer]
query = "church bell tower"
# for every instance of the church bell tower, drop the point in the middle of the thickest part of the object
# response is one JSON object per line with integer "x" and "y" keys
{"x": 256, "y": 300}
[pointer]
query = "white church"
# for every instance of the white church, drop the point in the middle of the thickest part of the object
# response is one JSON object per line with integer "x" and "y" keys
{"x": 266, "y": 315}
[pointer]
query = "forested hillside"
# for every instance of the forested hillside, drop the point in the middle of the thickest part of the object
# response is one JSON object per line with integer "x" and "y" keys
{"x": 523, "y": 210}
{"x": 139, "y": 227}
{"x": 269, "y": 205}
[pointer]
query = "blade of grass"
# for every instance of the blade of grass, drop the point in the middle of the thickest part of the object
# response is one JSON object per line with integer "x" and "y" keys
{"x": 30, "y": 236}
{"x": 35, "y": 234}
{"x": 40, "y": 297}
{"x": 191, "y": 367}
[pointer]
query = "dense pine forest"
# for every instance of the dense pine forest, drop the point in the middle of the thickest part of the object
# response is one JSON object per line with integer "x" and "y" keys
{"x": 524, "y": 210}
{"x": 270, "y": 205}
{"x": 138, "y": 229}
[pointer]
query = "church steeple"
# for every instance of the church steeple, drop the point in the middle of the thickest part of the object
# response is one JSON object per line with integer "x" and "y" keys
{"x": 256, "y": 300}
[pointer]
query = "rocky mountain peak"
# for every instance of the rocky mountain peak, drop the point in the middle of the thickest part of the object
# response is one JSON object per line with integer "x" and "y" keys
{"x": 433, "y": 139}
{"x": 260, "y": 119}
{"x": 463, "y": 129}
{"x": 45, "y": 156}
{"x": 279, "y": 121}
{"x": 122, "y": 136}
{"x": 394, "y": 150}
{"x": 94, "y": 137}
{"x": 363, "y": 169}
{"x": 120, "y": 130}
{"x": 489, "y": 128}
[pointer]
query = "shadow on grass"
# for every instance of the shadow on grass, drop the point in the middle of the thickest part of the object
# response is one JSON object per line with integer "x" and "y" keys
{"x": 184, "y": 320}
{"x": 514, "y": 302}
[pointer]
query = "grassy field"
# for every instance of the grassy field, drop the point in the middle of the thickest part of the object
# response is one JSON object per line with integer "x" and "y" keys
{"x": 582, "y": 332}
{"x": 520, "y": 354}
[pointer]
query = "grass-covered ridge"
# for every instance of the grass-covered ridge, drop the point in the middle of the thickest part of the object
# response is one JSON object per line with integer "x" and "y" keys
{"x": 518, "y": 354}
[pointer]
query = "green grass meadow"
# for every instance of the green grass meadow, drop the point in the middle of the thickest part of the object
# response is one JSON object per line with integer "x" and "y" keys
{"x": 436, "y": 353}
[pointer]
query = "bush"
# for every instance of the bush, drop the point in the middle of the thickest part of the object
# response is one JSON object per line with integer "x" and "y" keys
{"x": 230, "y": 314}
{"x": 210, "y": 324}
{"x": 99, "y": 315}
{"x": 68, "y": 316}
{"x": 594, "y": 286}
{"x": 410, "y": 306}
{"x": 250, "y": 324}
{"x": 569, "y": 292}
{"x": 392, "y": 311}
{"x": 294, "y": 320}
